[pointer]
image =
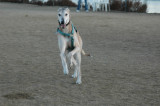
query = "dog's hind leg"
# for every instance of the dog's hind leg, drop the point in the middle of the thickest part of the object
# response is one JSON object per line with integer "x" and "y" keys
{"x": 72, "y": 61}
{"x": 75, "y": 70}
{"x": 78, "y": 68}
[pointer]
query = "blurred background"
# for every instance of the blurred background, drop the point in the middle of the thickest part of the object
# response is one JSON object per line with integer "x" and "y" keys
{"x": 146, "y": 6}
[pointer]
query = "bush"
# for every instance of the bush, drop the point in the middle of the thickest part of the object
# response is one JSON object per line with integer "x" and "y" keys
{"x": 49, "y": 3}
{"x": 13, "y": 1}
{"x": 136, "y": 6}
{"x": 65, "y": 3}
{"x": 56, "y": 3}
{"x": 40, "y": 3}
{"x": 131, "y": 6}
{"x": 116, "y": 5}
{"x": 142, "y": 8}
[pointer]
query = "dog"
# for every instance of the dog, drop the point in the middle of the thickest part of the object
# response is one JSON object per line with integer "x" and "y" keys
{"x": 70, "y": 44}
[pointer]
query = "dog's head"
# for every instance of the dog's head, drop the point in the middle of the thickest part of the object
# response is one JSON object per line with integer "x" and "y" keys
{"x": 63, "y": 17}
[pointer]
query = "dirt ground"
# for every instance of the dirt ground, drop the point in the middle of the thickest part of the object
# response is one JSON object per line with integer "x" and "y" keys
{"x": 124, "y": 69}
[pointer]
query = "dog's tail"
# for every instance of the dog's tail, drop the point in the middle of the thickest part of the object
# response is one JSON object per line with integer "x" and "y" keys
{"x": 85, "y": 54}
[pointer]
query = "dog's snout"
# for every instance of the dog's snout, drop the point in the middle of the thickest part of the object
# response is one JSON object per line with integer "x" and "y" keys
{"x": 62, "y": 22}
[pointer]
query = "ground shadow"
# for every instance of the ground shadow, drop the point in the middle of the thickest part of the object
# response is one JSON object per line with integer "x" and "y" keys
{"x": 18, "y": 96}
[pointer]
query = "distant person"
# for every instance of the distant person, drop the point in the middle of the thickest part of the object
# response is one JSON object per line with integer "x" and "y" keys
{"x": 79, "y": 5}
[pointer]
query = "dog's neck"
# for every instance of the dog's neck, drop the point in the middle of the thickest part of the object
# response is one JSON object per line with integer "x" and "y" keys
{"x": 67, "y": 29}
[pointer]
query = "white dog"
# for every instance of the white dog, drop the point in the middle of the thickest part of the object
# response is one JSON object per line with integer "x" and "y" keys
{"x": 70, "y": 43}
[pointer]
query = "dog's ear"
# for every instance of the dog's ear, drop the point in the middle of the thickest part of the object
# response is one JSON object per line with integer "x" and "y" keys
{"x": 59, "y": 9}
{"x": 67, "y": 9}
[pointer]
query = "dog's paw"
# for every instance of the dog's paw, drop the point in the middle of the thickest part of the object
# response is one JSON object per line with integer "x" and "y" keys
{"x": 78, "y": 82}
{"x": 74, "y": 75}
{"x": 66, "y": 72}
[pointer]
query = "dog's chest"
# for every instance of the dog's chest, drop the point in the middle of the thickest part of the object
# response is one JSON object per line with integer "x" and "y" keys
{"x": 70, "y": 44}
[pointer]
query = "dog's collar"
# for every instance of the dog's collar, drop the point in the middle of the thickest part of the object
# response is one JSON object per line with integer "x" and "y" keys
{"x": 68, "y": 23}
{"x": 68, "y": 35}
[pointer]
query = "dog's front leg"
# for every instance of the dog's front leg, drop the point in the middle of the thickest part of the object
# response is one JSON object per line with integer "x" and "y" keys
{"x": 72, "y": 61}
{"x": 71, "y": 54}
{"x": 64, "y": 63}
{"x": 75, "y": 50}
{"x": 62, "y": 47}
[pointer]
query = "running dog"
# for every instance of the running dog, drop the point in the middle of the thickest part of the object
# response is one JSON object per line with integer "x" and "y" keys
{"x": 70, "y": 44}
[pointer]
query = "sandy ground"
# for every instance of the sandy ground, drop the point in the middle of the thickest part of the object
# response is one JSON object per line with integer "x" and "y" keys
{"x": 124, "y": 70}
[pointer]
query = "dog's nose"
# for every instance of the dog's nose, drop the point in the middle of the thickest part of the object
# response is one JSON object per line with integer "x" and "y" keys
{"x": 62, "y": 22}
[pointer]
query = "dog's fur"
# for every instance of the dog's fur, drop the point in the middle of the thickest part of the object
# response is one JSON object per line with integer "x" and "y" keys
{"x": 74, "y": 56}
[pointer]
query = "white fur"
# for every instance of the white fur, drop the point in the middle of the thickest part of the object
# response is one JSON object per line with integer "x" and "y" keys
{"x": 75, "y": 55}
{"x": 62, "y": 15}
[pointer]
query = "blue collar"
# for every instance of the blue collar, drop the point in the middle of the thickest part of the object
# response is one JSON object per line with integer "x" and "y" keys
{"x": 68, "y": 35}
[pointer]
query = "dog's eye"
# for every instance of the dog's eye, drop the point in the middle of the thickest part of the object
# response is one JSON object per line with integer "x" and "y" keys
{"x": 59, "y": 14}
{"x": 66, "y": 14}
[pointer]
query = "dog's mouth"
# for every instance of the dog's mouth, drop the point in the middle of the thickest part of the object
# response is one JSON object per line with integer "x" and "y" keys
{"x": 63, "y": 25}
